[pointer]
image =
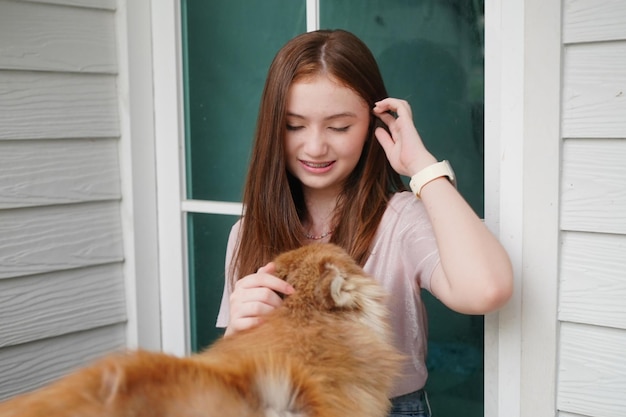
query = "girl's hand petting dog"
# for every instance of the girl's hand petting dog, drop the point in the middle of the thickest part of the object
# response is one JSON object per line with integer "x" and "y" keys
{"x": 254, "y": 296}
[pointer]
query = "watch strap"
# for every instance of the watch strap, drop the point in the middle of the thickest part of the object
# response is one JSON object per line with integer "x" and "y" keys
{"x": 431, "y": 172}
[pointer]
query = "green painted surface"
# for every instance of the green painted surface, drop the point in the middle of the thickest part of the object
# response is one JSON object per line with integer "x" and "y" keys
{"x": 430, "y": 53}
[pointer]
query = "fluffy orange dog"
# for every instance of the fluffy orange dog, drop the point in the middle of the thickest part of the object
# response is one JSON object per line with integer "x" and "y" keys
{"x": 324, "y": 352}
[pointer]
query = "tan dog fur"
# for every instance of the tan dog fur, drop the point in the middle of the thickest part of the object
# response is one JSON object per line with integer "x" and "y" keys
{"x": 325, "y": 352}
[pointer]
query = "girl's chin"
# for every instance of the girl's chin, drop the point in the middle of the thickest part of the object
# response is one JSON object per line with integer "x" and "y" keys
{"x": 322, "y": 186}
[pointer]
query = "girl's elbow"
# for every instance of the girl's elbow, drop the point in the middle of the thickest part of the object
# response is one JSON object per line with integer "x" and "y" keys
{"x": 482, "y": 292}
{"x": 498, "y": 292}
{"x": 497, "y": 298}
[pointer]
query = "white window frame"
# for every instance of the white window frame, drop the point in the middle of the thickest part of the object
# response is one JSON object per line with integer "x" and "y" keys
{"x": 171, "y": 200}
{"x": 169, "y": 156}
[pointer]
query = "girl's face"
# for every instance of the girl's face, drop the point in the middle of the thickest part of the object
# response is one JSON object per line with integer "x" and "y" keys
{"x": 327, "y": 125}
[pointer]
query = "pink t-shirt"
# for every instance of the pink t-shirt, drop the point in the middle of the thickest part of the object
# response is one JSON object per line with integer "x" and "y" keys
{"x": 403, "y": 258}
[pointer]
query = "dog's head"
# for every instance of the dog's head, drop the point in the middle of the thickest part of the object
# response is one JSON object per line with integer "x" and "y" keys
{"x": 326, "y": 278}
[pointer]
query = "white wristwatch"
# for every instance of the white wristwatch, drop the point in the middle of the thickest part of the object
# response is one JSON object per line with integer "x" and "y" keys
{"x": 434, "y": 171}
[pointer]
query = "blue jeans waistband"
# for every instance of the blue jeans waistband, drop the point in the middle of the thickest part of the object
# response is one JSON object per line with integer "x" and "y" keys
{"x": 412, "y": 404}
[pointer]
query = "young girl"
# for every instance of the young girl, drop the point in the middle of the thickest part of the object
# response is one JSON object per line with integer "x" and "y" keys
{"x": 329, "y": 150}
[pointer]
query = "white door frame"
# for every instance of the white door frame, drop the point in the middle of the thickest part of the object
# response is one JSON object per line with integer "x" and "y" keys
{"x": 522, "y": 165}
{"x": 169, "y": 156}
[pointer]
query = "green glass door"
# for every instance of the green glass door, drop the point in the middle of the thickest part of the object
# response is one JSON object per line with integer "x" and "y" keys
{"x": 430, "y": 53}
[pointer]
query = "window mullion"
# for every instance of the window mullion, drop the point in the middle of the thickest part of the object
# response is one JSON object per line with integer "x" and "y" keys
{"x": 312, "y": 15}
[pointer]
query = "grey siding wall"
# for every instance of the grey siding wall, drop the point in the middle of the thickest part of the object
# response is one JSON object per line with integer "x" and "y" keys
{"x": 592, "y": 296}
{"x": 62, "y": 289}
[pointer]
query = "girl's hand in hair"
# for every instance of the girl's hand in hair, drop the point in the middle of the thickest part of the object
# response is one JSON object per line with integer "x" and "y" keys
{"x": 253, "y": 297}
{"x": 404, "y": 147}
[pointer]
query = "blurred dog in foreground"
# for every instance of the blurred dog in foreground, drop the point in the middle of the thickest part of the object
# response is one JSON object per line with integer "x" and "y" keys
{"x": 325, "y": 352}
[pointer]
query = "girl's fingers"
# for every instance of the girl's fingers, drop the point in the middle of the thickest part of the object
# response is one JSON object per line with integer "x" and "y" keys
{"x": 270, "y": 268}
{"x": 393, "y": 104}
{"x": 265, "y": 280}
{"x": 385, "y": 139}
{"x": 258, "y": 295}
{"x": 248, "y": 306}
{"x": 402, "y": 143}
{"x": 244, "y": 323}
{"x": 385, "y": 117}
{"x": 255, "y": 305}
{"x": 255, "y": 296}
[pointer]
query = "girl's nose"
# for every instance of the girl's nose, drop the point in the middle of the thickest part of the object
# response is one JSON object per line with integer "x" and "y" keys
{"x": 315, "y": 143}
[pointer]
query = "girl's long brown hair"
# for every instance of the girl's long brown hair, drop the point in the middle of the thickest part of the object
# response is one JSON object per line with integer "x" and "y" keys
{"x": 273, "y": 201}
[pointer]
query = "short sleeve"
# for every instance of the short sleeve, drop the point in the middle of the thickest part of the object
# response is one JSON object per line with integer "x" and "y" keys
{"x": 405, "y": 244}
{"x": 418, "y": 241}
{"x": 224, "y": 313}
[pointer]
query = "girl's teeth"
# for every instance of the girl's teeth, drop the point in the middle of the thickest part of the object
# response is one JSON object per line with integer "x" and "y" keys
{"x": 318, "y": 165}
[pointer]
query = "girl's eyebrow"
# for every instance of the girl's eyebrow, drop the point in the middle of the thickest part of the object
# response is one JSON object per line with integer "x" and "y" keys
{"x": 331, "y": 117}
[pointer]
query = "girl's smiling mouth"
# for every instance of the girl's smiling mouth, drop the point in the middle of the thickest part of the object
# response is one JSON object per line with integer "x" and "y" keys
{"x": 317, "y": 166}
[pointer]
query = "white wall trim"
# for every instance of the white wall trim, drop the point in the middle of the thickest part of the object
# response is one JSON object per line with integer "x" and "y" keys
{"x": 522, "y": 145}
{"x": 169, "y": 128}
{"x": 125, "y": 162}
{"x": 504, "y": 92}
{"x": 541, "y": 182}
{"x": 138, "y": 206}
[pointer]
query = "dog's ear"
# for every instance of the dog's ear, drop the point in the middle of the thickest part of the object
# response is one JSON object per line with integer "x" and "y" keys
{"x": 336, "y": 289}
{"x": 341, "y": 290}
{"x": 347, "y": 287}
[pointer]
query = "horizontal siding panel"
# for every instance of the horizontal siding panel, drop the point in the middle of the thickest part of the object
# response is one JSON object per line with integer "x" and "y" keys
{"x": 594, "y": 185}
{"x": 98, "y": 4}
{"x": 58, "y": 172}
{"x": 47, "y": 305}
{"x": 593, "y": 20}
{"x": 593, "y": 279}
{"x": 41, "y": 105}
{"x": 594, "y": 91}
{"x": 43, "y": 37}
{"x": 27, "y": 367}
{"x": 47, "y": 239}
{"x": 592, "y": 371}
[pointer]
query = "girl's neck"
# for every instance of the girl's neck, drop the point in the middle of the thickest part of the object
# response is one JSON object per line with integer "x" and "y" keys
{"x": 320, "y": 209}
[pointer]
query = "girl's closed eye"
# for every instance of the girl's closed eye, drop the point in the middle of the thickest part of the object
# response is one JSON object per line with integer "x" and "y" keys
{"x": 340, "y": 128}
{"x": 294, "y": 127}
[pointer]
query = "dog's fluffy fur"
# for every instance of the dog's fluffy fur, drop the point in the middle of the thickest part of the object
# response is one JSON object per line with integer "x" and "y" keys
{"x": 325, "y": 352}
